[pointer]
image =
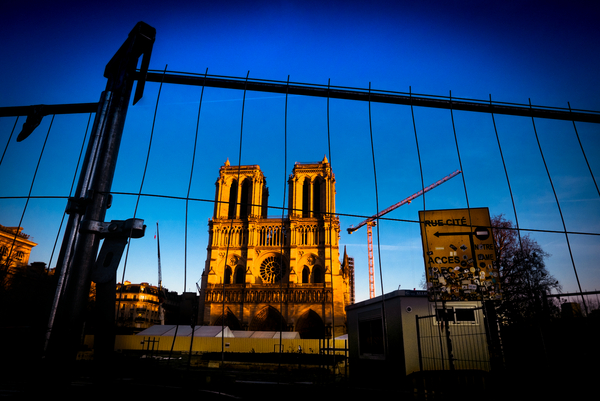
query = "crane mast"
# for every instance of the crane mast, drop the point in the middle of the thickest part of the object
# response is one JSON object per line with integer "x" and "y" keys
{"x": 371, "y": 267}
{"x": 372, "y": 221}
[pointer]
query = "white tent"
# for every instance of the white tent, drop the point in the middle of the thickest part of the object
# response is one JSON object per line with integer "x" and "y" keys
{"x": 212, "y": 331}
{"x": 185, "y": 331}
{"x": 266, "y": 334}
{"x": 242, "y": 334}
{"x": 157, "y": 330}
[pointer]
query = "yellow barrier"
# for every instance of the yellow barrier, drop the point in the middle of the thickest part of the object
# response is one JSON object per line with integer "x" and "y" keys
{"x": 216, "y": 344}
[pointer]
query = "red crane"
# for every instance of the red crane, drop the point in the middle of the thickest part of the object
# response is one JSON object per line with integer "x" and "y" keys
{"x": 372, "y": 221}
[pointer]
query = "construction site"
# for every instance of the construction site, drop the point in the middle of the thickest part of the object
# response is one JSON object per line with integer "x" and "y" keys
{"x": 330, "y": 281}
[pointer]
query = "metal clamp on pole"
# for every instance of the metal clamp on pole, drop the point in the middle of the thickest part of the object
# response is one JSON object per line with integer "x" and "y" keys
{"x": 121, "y": 68}
{"x": 115, "y": 235}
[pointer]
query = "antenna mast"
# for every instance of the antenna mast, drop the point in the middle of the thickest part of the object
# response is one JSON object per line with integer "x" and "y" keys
{"x": 158, "y": 247}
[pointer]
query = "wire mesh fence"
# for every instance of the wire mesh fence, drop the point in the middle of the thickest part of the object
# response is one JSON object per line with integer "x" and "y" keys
{"x": 535, "y": 165}
{"x": 453, "y": 342}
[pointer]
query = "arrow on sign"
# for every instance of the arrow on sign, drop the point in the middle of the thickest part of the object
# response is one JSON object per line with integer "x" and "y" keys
{"x": 481, "y": 233}
{"x": 439, "y": 234}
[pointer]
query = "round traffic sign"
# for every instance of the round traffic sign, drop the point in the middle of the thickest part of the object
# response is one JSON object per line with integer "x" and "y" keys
{"x": 482, "y": 233}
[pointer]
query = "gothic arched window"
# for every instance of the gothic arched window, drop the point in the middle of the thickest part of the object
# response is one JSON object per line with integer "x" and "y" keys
{"x": 232, "y": 199}
{"x": 246, "y": 200}
{"x": 306, "y": 197}
{"x": 305, "y": 275}
{"x": 240, "y": 275}
{"x": 317, "y": 274}
{"x": 317, "y": 197}
{"x": 227, "y": 278}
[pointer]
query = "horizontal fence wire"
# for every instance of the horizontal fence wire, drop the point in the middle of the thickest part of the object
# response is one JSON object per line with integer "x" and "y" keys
{"x": 340, "y": 214}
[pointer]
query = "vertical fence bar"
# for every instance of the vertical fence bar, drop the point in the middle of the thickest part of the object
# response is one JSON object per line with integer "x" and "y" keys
{"x": 418, "y": 325}
{"x": 95, "y": 183}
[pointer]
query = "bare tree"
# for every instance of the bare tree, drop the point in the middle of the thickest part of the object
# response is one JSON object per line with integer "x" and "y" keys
{"x": 524, "y": 278}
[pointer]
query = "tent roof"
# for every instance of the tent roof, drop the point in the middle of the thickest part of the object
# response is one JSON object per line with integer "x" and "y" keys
{"x": 213, "y": 331}
{"x": 185, "y": 331}
{"x": 157, "y": 330}
{"x": 242, "y": 334}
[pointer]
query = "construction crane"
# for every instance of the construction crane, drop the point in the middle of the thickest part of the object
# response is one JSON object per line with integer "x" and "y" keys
{"x": 372, "y": 221}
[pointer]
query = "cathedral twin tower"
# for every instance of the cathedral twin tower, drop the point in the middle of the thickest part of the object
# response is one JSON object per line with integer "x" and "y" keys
{"x": 276, "y": 273}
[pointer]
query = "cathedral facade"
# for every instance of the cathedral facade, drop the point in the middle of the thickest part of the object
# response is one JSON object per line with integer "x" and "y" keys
{"x": 283, "y": 273}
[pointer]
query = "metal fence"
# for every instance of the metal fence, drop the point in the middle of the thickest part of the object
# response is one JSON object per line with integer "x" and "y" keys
{"x": 447, "y": 343}
{"x": 559, "y": 336}
{"x": 443, "y": 344}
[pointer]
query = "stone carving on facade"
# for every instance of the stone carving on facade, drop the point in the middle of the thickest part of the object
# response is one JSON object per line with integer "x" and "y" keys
{"x": 271, "y": 296}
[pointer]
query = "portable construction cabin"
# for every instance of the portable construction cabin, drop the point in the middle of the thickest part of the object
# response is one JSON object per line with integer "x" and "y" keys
{"x": 402, "y": 332}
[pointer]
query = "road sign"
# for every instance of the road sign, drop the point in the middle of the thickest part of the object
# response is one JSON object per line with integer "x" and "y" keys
{"x": 459, "y": 254}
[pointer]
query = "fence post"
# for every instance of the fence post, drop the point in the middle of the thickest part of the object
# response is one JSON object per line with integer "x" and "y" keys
{"x": 89, "y": 211}
{"x": 446, "y": 324}
{"x": 419, "y": 343}
{"x": 492, "y": 334}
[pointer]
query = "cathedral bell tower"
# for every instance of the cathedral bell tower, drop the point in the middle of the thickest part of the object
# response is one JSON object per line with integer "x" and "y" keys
{"x": 241, "y": 192}
{"x": 312, "y": 190}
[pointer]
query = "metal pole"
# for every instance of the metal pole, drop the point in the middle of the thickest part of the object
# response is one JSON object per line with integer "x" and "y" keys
{"x": 73, "y": 209}
{"x": 419, "y": 343}
{"x": 87, "y": 228}
{"x": 446, "y": 324}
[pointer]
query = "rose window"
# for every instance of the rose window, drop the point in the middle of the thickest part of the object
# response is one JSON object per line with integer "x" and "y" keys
{"x": 270, "y": 269}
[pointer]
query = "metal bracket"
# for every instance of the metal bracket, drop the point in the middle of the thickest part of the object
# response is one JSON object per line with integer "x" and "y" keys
{"x": 76, "y": 206}
{"x": 124, "y": 62}
{"x": 115, "y": 234}
{"x": 79, "y": 205}
{"x": 34, "y": 118}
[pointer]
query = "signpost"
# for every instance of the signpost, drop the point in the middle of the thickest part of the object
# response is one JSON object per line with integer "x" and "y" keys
{"x": 459, "y": 255}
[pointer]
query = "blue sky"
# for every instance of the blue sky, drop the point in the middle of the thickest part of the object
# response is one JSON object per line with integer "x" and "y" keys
{"x": 55, "y": 52}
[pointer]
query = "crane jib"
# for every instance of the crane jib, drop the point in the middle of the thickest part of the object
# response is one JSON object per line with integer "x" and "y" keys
{"x": 404, "y": 201}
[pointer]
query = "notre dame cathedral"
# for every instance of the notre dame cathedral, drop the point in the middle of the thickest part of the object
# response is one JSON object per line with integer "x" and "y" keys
{"x": 271, "y": 273}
